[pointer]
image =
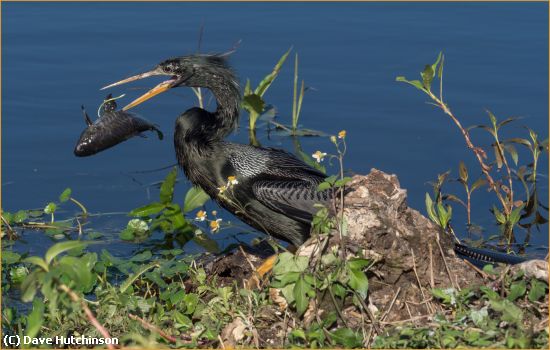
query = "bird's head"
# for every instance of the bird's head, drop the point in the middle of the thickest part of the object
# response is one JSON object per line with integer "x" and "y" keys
{"x": 193, "y": 71}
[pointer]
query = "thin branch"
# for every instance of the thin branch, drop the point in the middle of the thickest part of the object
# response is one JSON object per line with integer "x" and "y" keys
{"x": 75, "y": 298}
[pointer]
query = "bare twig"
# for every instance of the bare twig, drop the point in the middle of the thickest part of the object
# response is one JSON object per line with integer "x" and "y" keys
{"x": 432, "y": 283}
{"x": 383, "y": 317}
{"x": 153, "y": 328}
{"x": 419, "y": 284}
{"x": 75, "y": 298}
{"x": 446, "y": 266}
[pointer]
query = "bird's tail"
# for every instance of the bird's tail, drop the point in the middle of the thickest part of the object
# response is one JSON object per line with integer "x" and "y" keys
{"x": 486, "y": 256}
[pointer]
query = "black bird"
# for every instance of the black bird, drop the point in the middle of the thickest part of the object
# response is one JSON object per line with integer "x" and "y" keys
{"x": 275, "y": 192}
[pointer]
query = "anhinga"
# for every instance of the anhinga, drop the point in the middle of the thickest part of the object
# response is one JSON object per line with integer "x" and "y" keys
{"x": 276, "y": 192}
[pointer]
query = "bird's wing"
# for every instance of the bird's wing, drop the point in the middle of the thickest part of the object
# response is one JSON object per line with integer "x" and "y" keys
{"x": 295, "y": 199}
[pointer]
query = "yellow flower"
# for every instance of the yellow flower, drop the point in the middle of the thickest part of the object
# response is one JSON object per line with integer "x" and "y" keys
{"x": 333, "y": 139}
{"x": 214, "y": 212}
{"x": 201, "y": 215}
{"x": 232, "y": 180}
{"x": 215, "y": 225}
{"x": 342, "y": 134}
{"x": 222, "y": 189}
{"x": 319, "y": 156}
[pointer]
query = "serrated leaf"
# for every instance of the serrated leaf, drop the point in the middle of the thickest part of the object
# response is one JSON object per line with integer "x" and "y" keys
{"x": 62, "y": 247}
{"x": 194, "y": 198}
{"x": 167, "y": 187}
{"x": 65, "y": 195}
{"x": 147, "y": 210}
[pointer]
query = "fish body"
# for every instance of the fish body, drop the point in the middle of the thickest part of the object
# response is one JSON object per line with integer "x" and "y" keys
{"x": 110, "y": 129}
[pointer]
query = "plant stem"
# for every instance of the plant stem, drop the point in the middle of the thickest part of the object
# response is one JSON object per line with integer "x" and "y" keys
{"x": 82, "y": 207}
{"x": 484, "y": 167}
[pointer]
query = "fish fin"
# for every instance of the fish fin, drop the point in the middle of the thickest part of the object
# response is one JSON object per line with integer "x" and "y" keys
{"x": 86, "y": 116}
{"x": 159, "y": 133}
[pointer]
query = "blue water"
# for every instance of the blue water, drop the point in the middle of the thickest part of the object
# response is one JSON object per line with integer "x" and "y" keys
{"x": 56, "y": 56}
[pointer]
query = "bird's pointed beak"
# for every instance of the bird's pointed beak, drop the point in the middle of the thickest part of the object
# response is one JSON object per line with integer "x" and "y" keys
{"x": 160, "y": 88}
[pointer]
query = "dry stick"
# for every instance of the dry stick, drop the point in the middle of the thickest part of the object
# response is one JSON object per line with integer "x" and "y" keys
{"x": 373, "y": 319}
{"x": 386, "y": 313}
{"x": 75, "y": 298}
{"x": 432, "y": 283}
{"x": 419, "y": 284}
{"x": 445, "y": 263}
{"x": 484, "y": 167}
{"x": 412, "y": 319}
{"x": 153, "y": 328}
{"x": 10, "y": 231}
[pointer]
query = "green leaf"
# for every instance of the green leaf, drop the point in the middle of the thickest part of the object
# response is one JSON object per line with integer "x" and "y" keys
{"x": 62, "y": 247}
{"x": 427, "y": 77}
{"x": 517, "y": 290}
{"x": 513, "y": 152}
{"x": 287, "y": 262}
{"x": 35, "y": 260}
{"x": 501, "y": 219}
{"x": 147, "y": 210}
{"x": 35, "y": 318}
{"x": 20, "y": 216}
{"x": 358, "y": 263}
{"x": 342, "y": 182}
{"x": 510, "y": 312}
{"x": 430, "y": 209}
{"x": 268, "y": 80}
{"x": 50, "y": 208}
{"x": 167, "y": 187}
{"x": 301, "y": 288}
{"x": 131, "y": 279}
{"x": 478, "y": 183}
{"x": 9, "y": 257}
{"x": 537, "y": 290}
{"x": 127, "y": 235}
{"x": 323, "y": 186}
{"x": 463, "y": 171}
{"x": 253, "y": 104}
{"x": 519, "y": 141}
{"x": 65, "y": 195}
{"x": 358, "y": 281}
{"x": 515, "y": 215}
{"x": 194, "y": 198}
{"x": 416, "y": 83}
{"x": 347, "y": 338}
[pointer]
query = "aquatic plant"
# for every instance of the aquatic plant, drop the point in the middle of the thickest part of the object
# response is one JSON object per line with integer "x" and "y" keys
{"x": 512, "y": 212}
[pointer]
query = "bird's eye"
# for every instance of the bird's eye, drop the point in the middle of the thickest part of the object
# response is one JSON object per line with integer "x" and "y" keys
{"x": 167, "y": 69}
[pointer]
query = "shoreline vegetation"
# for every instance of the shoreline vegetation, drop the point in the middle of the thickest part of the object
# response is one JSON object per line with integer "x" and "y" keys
{"x": 377, "y": 274}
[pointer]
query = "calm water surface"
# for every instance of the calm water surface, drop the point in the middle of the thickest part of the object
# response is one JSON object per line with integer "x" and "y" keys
{"x": 56, "y": 57}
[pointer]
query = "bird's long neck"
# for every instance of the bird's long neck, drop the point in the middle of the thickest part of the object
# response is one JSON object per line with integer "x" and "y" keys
{"x": 226, "y": 116}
